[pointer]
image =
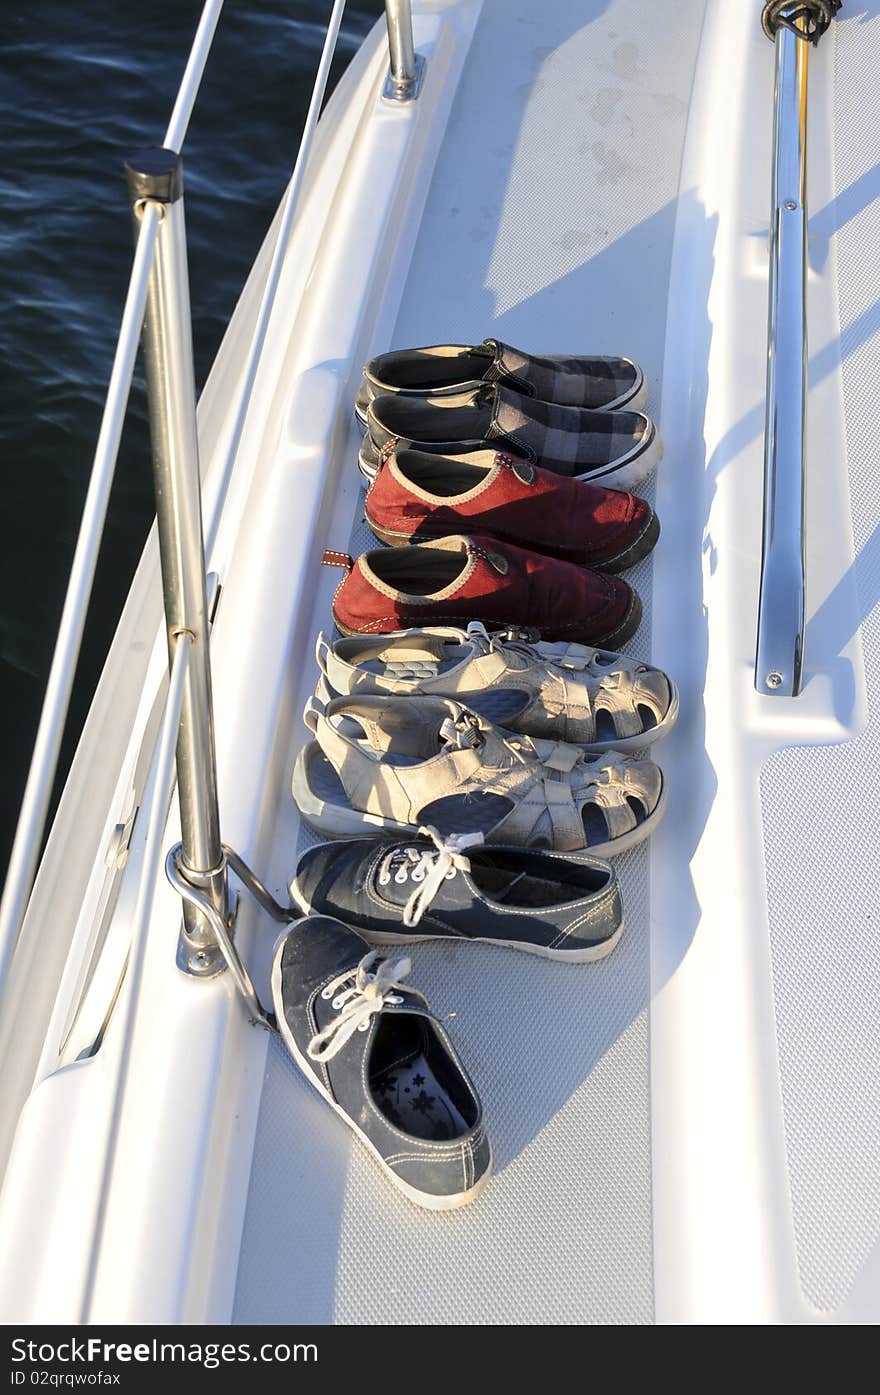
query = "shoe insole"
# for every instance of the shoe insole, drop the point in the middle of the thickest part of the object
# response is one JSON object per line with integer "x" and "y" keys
{"x": 428, "y": 667}
{"x": 326, "y": 784}
{"x": 422, "y": 371}
{"x": 520, "y": 878}
{"x": 350, "y": 727}
{"x": 523, "y": 890}
{"x": 418, "y": 571}
{"x": 409, "y": 418}
{"x": 478, "y": 812}
{"x": 499, "y": 705}
{"x": 324, "y": 781}
{"x": 412, "y": 1098}
{"x": 444, "y": 476}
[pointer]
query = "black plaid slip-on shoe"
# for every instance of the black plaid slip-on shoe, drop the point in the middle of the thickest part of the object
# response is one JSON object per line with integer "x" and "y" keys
{"x": 558, "y": 907}
{"x": 615, "y": 449}
{"x": 599, "y": 382}
{"x": 372, "y": 1049}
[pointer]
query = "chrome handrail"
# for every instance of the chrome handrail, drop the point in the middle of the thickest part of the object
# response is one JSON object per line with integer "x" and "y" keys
{"x": 32, "y": 819}
{"x": 779, "y": 649}
{"x": 155, "y": 178}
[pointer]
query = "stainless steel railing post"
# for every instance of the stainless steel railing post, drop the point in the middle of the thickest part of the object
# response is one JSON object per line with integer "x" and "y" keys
{"x": 156, "y": 177}
{"x": 780, "y": 640}
{"x": 406, "y": 66}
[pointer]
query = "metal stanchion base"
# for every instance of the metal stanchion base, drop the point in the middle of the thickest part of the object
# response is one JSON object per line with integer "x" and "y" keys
{"x": 405, "y": 91}
{"x": 197, "y": 959}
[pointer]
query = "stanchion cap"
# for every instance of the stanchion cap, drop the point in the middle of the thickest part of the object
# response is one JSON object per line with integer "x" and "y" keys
{"x": 154, "y": 173}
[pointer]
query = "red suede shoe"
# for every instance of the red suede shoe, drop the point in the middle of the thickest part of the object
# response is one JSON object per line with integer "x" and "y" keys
{"x": 417, "y": 496}
{"x": 457, "y": 579}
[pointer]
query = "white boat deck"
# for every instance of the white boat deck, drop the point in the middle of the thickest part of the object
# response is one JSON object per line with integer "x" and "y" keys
{"x": 549, "y": 223}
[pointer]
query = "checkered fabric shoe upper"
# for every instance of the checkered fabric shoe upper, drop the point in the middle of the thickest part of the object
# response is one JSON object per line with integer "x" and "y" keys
{"x": 568, "y": 440}
{"x": 572, "y": 382}
{"x": 565, "y": 435}
{"x": 596, "y": 381}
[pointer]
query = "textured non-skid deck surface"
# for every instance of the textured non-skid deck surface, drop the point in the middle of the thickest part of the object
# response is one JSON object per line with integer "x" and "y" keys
{"x": 549, "y": 223}
{"x": 822, "y": 895}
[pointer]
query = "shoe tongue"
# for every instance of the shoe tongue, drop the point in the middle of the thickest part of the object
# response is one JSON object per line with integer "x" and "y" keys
{"x": 450, "y": 734}
{"x": 479, "y": 637}
{"x": 398, "y": 893}
{"x": 465, "y": 734}
{"x": 482, "y": 644}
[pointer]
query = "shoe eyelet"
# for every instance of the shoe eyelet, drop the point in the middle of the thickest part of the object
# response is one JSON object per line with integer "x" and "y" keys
{"x": 450, "y": 874}
{"x": 395, "y": 999}
{"x": 337, "y": 1003}
{"x": 364, "y": 1026}
{"x": 419, "y": 874}
{"x": 326, "y": 993}
{"x": 400, "y": 875}
{"x": 384, "y": 878}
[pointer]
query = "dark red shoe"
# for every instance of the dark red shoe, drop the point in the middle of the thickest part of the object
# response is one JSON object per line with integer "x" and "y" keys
{"x": 457, "y": 579}
{"x": 417, "y": 496}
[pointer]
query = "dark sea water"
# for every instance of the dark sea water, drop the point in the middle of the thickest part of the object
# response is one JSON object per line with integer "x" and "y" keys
{"x": 84, "y": 82}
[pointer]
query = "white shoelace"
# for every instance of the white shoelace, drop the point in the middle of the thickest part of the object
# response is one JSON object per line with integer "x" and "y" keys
{"x": 429, "y": 867}
{"x": 485, "y": 643}
{"x": 368, "y": 994}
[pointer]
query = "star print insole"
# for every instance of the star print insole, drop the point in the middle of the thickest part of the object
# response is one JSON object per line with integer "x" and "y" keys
{"x": 409, "y": 1093}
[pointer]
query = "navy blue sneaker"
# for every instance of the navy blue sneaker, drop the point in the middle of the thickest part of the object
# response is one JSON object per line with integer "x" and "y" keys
{"x": 561, "y": 907}
{"x": 371, "y": 1047}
